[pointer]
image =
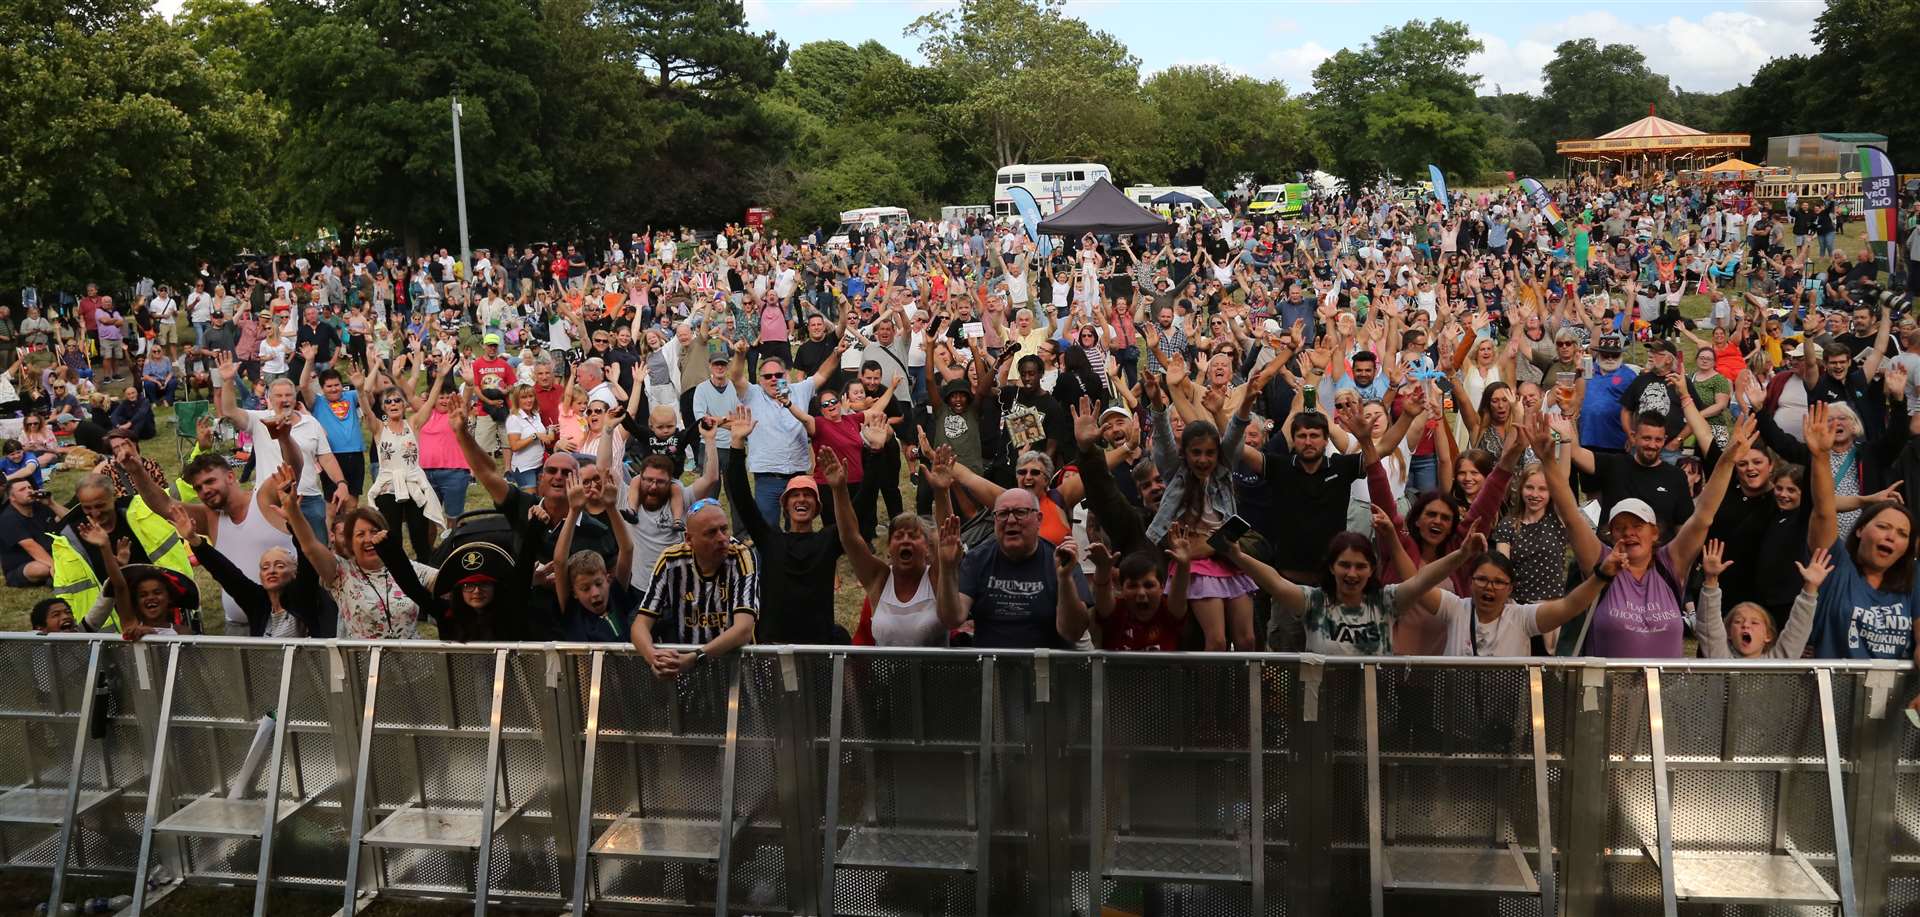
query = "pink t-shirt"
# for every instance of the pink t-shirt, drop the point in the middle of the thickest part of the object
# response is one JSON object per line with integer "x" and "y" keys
{"x": 773, "y": 323}
{"x": 438, "y": 448}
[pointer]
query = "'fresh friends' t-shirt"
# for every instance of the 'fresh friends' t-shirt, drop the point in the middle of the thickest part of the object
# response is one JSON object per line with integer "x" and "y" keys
{"x": 1855, "y": 620}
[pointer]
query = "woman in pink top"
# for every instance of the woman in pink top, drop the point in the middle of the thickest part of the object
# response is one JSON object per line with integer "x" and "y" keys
{"x": 440, "y": 454}
{"x": 773, "y": 332}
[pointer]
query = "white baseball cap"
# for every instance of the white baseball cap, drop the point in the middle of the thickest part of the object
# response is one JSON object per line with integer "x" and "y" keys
{"x": 1632, "y": 506}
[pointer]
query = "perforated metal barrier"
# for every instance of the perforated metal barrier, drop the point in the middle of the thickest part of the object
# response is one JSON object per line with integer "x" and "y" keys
{"x": 814, "y": 780}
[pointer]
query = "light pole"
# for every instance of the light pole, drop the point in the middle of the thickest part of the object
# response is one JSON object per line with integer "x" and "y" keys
{"x": 460, "y": 191}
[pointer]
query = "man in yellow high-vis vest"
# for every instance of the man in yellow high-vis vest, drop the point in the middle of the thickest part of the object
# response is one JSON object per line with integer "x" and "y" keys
{"x": 149, "y": 538}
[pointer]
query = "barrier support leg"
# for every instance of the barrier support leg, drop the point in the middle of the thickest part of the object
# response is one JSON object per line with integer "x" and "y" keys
{"x": 76, "y": 765}
{"x": 157, "y": 790}
{"x": 1836, "y": 796}
{"x": 583, "y": 837}
{"x": 270, "y": 816}
{"x": 1583, "y": 797}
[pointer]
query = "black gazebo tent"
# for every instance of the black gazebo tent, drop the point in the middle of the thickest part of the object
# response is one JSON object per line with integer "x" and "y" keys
{"x": 1103, "y": 210}
{"x": 1176, "y": 199}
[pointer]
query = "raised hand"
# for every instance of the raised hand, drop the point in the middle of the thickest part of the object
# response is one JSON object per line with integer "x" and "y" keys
{"x": 91, "y": 533}
{"x": 576, "y": 492}
{"x": 1101, "y": 555}
{"x": 182, "y": 521}
{"x": 1815, "y": 570}
{"x": 828, "y": 464}
{"x": 1086, "y": 424}
{"x": 1896, "y": 380}
{"x": 227, "y": 368}
{"x": 1616, "y": 559}
{"x": 1180, "y": 543}
{"x": 740, "y": 424}
{"x": 1713, "y": 560}
{"x": 949, "y": 540}
{"x": 1747, "y": 430}
{"x": 308, "y": 351}
{"x": 1067, "y": 556}
{"x": 1475, "y": 543}
{"x": 940, "y": 471}
{"x": 1818, "y": 430}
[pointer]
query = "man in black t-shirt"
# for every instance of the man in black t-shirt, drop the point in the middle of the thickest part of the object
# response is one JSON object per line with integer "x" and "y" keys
{"x": 1315, "y": 487}
{"x": 816, "y": 349}
{"x": 1640, "y": 472}
{"x": 27, "y": 524}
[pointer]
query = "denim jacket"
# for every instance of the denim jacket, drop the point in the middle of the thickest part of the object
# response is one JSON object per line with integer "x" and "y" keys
{"x": 1173, "y": 470}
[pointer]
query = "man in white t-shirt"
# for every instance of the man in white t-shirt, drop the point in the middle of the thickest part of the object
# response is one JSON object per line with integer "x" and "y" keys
{"x": 283, "y": 401}
{"x": 200, "y": 312}
{"x": 165, "y": 311}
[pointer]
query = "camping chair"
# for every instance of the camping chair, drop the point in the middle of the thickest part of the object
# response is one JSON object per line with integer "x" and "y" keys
{"x": 186, "y": 426}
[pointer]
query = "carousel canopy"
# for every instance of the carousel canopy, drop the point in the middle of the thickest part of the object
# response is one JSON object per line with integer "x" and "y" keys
{"x": 1652, "y": 137}
{"x": 1733, "y": 170}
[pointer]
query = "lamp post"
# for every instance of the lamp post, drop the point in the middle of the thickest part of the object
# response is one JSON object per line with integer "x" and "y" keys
{"x": 460, "y": 192}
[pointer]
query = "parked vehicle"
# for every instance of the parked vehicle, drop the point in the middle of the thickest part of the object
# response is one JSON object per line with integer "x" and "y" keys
{"x": 1287, "y": 200}
{"x": 1054, "y": 185}
{"x": 858, "y": 222}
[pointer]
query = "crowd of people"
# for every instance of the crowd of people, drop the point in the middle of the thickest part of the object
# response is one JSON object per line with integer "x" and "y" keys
{"x": 1393, "y": 426}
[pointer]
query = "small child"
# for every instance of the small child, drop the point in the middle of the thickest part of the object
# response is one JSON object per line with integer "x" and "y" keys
{"x": 1747, "y": 632}
{"x": 596, "y": 604}
{"x": 1144, "y": 616}
{"x": 660, "y": 437}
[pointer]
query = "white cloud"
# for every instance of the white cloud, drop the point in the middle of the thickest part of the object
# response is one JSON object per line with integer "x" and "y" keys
{"x": 1714, "y": 51}
{"x": 1294, "y": 66}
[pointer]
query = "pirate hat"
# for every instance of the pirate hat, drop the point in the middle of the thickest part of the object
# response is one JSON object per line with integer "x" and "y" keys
{"x": 480, "y": 561}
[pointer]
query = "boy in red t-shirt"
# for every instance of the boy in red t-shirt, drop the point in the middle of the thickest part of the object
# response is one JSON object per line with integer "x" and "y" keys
{"x": 1143, "y": 615}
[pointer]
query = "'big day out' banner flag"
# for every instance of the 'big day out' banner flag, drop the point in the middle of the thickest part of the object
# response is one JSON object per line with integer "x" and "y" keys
{"x": 1439, "y": 185}
{"x": 1878, "y": 200}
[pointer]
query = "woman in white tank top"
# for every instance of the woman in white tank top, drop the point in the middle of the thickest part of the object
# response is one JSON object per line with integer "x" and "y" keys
{"x": 900, "y": 588}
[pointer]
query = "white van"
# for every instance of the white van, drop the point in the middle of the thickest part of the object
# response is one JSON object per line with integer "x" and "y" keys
{"x": 858, "y": 222}
{"x": 1144, "y": 195}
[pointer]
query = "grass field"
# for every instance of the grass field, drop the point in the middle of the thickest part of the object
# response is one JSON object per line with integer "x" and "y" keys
{"x": 165, "y": 449}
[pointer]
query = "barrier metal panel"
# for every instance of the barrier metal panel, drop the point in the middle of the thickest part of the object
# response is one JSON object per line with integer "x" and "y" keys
{"x": 864, "y": 781}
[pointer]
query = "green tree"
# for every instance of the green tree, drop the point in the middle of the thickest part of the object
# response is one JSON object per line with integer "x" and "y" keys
{"x": 694, "y": 47}
{"x": 1592, "y": 88}
{"x": 1038, "y": 85}
{"x": 1212, "y": 125}
{"x": 1773, "y": 102}
{"x": 1403, "y": 100}
{"x": 126, "y": 153}
{"x": 368, "y": 86}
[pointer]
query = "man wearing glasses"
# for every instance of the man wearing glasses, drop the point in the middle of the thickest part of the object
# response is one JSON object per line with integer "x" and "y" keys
{"x": 1020, "y": 591}
{"x": 780, "y": 447}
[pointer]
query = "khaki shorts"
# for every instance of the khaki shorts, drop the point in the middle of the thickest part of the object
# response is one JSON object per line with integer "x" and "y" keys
{"x": 113, "y": 350}
{"x": 166, "y": 333}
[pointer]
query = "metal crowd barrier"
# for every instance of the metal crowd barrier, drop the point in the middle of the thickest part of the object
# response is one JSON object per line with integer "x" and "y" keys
{"x": 816, "y": 780}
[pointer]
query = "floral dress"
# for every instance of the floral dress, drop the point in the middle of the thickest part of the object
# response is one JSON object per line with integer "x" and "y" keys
{"x": 372, "y": 605}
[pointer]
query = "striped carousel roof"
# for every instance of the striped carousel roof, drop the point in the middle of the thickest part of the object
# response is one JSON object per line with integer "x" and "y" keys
{"x": 1651, "y": 126}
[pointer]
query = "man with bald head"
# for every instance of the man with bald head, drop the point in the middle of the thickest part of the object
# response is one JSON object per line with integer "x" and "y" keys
{"x": 1021, "y": 591}
{"x": 705, "y": 594}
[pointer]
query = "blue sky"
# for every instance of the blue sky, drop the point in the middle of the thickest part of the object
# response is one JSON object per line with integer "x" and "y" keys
{"x": 1700, "y": 46}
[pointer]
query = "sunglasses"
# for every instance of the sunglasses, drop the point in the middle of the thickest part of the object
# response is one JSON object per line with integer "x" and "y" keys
{"x": 770, "y": 375}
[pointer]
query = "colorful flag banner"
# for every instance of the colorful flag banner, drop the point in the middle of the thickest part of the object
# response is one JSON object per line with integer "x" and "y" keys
{"x": 1879, "y": 199}
{"x": 1543, "y": 202}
